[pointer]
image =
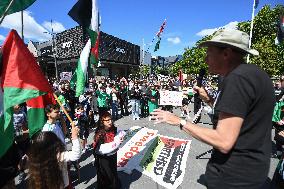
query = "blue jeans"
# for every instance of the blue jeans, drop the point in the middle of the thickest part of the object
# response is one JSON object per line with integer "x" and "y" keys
{"x": 135, "y": 108}
{"x": 114, "y": 109}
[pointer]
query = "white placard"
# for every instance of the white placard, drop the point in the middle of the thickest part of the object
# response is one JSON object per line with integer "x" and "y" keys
{"x": 173, "y": 98}
{"x": 65, "y": 76}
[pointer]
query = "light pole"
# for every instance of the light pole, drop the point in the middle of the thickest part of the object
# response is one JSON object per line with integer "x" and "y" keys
{"x": 54, "y": 51}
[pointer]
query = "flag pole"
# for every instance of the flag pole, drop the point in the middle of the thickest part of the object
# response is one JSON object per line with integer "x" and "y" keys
{"x": 64, "y": 110}
{"x": 251, "y": 27}
{"x": 22, "y": 20}
{"x": 6, "y": 11}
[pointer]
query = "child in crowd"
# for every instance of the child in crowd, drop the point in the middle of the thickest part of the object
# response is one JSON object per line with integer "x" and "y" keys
{"x": 83, "y": 124}
{"x": 106, "y": 143}
{"x": 48, "y": 160}
{"x": 55, "y": 123}
{"x": 21, "y": 138}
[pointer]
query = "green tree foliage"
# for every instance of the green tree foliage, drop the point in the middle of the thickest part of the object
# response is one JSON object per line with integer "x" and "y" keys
{"x": 271, "y": 57}
{"x": 193, "y": 59}
{"x": 144, "y": 70}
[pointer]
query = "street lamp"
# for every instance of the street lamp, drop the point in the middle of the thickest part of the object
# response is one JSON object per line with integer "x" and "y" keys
{"x": 54, "y": 50}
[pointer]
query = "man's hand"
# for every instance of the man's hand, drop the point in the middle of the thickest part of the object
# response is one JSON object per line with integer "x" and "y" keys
{"x": 202, "y": 93}
{"x": 281, "y": 122}
{"x": 281, "y": 133}
{"x": 161, "y": 116}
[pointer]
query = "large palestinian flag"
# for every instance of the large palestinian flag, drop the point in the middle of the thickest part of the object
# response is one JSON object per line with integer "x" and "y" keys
{"x": 21, "y": 80}
{"x": 86, "y": 14}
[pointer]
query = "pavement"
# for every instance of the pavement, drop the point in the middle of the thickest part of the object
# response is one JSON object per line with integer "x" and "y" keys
{"x": 195, "y": 169}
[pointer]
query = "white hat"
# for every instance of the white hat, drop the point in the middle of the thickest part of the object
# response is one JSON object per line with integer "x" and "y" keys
{"x": 231, "y": 38}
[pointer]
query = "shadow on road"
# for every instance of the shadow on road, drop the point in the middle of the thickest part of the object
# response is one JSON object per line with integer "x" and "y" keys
{"x": 202, "y": 180}
{"x": 127, "y": 179}
{"x": 87, "y": 172}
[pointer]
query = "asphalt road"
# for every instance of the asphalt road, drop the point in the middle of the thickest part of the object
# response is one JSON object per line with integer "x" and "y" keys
{"x": 194, "y": 175}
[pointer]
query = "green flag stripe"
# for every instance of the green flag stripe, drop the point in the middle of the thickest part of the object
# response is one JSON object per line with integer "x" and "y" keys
{"x": 6, "y": 135}
{"x": 14, "y": 96}
{"x": 81, "y": 80}
{"x": 15, "y": 7}
{"x": 35, "y": 126}
{"x": 93, "y": 36}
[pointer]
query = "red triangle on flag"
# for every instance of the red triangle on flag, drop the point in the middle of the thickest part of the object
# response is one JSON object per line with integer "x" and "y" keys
{"x": 19, "y": 66}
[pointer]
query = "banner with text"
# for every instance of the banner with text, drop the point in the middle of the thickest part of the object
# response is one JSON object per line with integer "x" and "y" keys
{"x": 165, "y": 161}
{"x": 133, "y": 148}
{"x": 173, "y": 98}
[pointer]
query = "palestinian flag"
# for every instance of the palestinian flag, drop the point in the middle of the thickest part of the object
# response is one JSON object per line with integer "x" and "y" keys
{"x": 36, "y": 113}
{"x": 81, "y": 70}
{"x": 162, "y": 27}
{"x": 86, "y": 14}
{"x": 21, "y": 80}
{"x": 157, "y": 46}
{"x": 16, "y": 6}
{"x": 256, "y": 2}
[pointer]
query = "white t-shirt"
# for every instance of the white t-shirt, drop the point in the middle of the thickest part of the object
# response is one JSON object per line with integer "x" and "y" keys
{"x": 56, "y": 129}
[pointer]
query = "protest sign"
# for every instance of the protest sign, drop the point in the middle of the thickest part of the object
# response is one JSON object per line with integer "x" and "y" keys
{"x": 131, "y": 152}
{"x": 173, "y": 98}
{"x": 65, "y": 76}
{"x": 165, "y": 161}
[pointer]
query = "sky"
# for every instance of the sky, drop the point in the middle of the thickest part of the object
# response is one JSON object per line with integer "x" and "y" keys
{"x": 139, "y": 20}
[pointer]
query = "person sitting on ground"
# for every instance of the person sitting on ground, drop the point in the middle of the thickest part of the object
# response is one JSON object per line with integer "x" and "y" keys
{"x": 48, "y": 160}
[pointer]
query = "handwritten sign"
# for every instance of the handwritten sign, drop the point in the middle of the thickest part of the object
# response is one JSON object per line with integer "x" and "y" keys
{"x": 173, "y": 98}
{"x": 65, "y": 76}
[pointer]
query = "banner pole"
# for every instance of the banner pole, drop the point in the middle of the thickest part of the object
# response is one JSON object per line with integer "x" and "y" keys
{"x": 64, "y": 110}
{"x": 251, "y": 28}
{"x": 6, "y": 11}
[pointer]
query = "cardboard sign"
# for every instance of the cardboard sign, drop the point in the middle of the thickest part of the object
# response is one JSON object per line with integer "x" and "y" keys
{"x": 65, "y": 76}
{"x": 173, "y": 98}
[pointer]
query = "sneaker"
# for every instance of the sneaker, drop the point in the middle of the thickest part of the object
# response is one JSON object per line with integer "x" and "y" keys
{"x": 93, "y": 161}
{"x": 22, "y": 176}
{"x": 87, "y": 147}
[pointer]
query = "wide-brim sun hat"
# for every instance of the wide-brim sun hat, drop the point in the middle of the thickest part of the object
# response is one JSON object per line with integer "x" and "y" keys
{"x": 233, "y": 38}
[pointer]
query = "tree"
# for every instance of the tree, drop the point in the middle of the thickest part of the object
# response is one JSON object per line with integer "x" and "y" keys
{"x": 144, "y": 70}
{"x": 193, "y": 59}
{"x": 271, "y": 56}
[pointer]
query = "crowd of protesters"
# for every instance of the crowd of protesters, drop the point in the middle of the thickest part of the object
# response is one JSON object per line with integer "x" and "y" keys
{"x": 103, "y": 102}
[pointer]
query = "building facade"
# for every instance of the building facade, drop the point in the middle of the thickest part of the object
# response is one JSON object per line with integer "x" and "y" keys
{"x": 118, "y": 58}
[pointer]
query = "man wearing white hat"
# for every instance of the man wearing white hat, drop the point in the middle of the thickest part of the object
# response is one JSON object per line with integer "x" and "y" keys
{"x": 241, "y": 135}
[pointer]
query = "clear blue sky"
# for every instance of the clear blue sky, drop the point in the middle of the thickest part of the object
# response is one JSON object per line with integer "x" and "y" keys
{"x": 133, "y": 20}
